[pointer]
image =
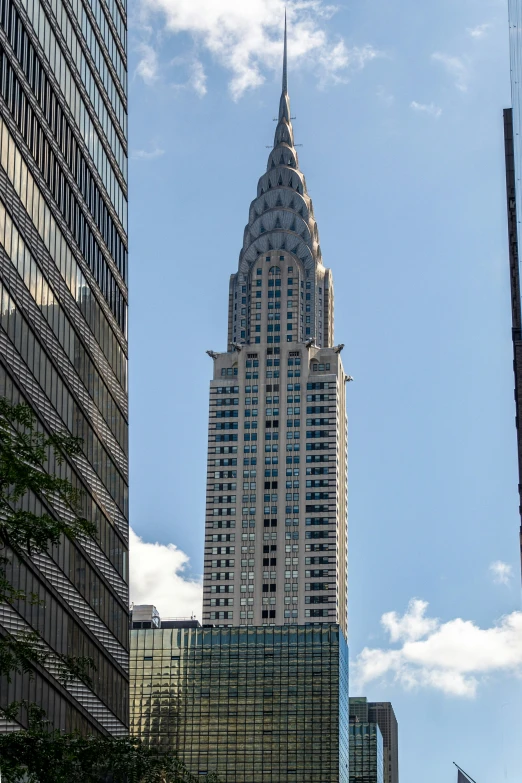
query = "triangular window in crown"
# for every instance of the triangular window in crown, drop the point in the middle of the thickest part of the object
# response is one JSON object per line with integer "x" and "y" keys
{"x": 279, "y": 203}
{"x": 273, "y": 164}
{"x": 296, "y": 248}
{"x": 280, "y": 180}
{"x": 281, "y": 160}
{"x": 292, "y": 227}
{"x": 265, "y": 206}
{"x": 270, "y": 245}
{"x": 277, "y": 223}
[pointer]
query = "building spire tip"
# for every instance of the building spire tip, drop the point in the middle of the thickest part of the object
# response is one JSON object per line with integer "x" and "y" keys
{"x": 285, "y": 61}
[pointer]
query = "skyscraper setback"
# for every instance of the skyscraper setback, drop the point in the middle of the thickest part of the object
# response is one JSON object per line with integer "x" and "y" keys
{"x": 276, "y": 513}
{"x": 63, "y": 329}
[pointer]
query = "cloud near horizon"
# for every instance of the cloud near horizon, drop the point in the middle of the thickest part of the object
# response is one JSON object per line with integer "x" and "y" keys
{"x": 158, "y": 576}
{"x": 454, "y": 657}
{"x": 245, "y": 38}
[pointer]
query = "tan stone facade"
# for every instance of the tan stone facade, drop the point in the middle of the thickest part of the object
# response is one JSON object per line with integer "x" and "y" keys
{"x": 276, "y": 513}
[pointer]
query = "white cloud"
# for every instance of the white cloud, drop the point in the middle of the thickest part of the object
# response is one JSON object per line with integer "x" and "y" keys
{"x": 147, "y": 68}
{"x": 426, "y": 108}
{"x": 147, "y": 154}
{"x": 453, "y": 657}
{"x": 157, "y": 576}
{"x": 411, "y": 626}
{"x": 480, "y": 31}
{"x": 456, "y": 67}
{"x": 246, "y": 37}
{"x": 501, "y": 573}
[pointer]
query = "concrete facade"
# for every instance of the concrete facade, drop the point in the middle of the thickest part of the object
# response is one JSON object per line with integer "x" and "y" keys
{"x": 276, "y": 511}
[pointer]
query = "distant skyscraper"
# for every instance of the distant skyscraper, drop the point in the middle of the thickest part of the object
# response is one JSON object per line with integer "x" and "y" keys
{"x": 381, "y": 712}
{"x": 513, "y": 151}
{"x": 366, "y": 753}
{"x": 276, "y": 515}
{"x": 250, "y": 704}
{"x": 359, "y": 709}
{"x": 63, "y": 328}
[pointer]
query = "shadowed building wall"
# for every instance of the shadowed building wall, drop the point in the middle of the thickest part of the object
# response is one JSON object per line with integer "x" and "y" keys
{"x": 63, "y": 331}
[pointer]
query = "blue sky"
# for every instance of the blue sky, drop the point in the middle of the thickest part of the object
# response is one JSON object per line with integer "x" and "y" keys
{"x": 398, "y": 107}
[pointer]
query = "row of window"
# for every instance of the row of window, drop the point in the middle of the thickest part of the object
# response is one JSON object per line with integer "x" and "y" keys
{"x": 29, "y": 348}
{"x": 108, "y": 38}
{"x": 73, "y": 44}
{"x": 62, "y": 632}
{"x": 119, "y": 22}
{"x": 88, "y": 583}
{"x": 107, "y": 538}
{"x": 97, "y": 49}
{"x": 60, "y": 252}
{"x": 31, "y": 66}
{"x": 62, "y": 192}
{"x": 51, "y": 309}
{"x": 48, "y": 100}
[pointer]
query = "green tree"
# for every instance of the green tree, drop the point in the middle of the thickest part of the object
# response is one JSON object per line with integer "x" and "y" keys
{"x": 24, "y": 454}
{"x": 42, "y": 754}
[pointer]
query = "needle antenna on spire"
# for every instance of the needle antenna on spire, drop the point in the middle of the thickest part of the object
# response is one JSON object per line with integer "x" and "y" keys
{"x": 285, "y": 63}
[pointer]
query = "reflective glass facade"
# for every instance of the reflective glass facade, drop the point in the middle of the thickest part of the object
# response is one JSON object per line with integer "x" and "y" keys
{"x": 366, "y": 753}
{"x": 63, "y": 328}
{"x": 252, "y": 704}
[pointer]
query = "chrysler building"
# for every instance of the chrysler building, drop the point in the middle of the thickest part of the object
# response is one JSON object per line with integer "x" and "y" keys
{"x": 276, "y": 529}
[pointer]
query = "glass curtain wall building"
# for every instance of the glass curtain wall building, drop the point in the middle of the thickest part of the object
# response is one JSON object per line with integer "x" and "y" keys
{"x": 250, "y": 704}
{"x": 366, "y": 753}
{"x": 276, "y": 510}
{"x": 63, "y": 329}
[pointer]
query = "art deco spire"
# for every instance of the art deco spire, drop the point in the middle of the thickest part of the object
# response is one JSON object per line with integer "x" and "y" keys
{"x": 281, "y": 218}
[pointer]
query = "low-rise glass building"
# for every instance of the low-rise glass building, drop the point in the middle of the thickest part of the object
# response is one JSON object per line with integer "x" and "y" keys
{"x": 254, "y": 704}
{"x": 366, "y": 753}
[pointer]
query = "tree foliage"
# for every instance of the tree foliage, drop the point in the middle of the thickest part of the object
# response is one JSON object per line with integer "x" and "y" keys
{"x": 24, "y": 454}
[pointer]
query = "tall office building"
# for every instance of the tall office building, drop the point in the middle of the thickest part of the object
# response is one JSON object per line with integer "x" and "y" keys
{"x": 63, "y": 330}
{"x": 382, "y": 713}
{"x": 251, "y": 704}
{"x": 513, "y": 153}
{"x": 276, "y": 513}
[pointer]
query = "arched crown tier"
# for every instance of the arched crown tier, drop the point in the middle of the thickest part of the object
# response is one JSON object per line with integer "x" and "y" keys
{"x": 281, "y": 221}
